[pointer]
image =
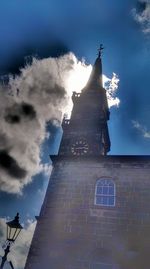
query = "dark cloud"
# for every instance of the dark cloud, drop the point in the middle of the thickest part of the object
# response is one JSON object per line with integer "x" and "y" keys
{"x": 3, "y": 141}
{"x": 12, "y": 119}
{"x": 18, "y": 111}
{"x": 10, "y": 165}
{"x": 57, "y": 91}
{"x": 28, "y": 111}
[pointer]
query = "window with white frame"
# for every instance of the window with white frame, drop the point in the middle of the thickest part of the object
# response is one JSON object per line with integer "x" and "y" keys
{"x": 105, "y": 192}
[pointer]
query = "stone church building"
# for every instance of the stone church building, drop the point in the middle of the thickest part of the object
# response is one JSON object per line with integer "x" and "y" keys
{"x": 96, "y": 212}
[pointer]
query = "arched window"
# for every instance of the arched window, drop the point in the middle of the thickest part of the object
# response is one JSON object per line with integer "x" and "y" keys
{"x": 105, "y": 192}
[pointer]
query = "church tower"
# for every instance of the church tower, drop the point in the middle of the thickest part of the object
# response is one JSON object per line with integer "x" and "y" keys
{"x": 96, "y": 212}
{"x": 86, "y": 133}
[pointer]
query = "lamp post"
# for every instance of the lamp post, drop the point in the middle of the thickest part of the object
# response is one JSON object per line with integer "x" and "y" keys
{"x": 13, "y": 230}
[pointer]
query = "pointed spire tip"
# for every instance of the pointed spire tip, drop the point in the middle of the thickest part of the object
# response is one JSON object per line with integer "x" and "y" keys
{"x": 100, "y": 50}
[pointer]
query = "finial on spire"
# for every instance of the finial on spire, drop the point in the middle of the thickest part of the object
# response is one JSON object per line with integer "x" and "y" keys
{"x": 100, "y": 50}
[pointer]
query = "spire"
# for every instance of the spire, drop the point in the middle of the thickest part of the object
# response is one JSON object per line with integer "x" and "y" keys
{"x": 96, "y": 74}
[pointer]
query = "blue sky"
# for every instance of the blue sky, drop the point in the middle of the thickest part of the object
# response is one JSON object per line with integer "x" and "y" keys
{"x": 49, "y": 28}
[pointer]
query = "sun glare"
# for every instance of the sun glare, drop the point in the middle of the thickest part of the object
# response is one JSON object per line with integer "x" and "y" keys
{"x": 78, "y": 78}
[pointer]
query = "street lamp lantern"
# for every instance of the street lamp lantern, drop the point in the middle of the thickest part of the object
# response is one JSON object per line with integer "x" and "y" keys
{"x": 13, "y": 229}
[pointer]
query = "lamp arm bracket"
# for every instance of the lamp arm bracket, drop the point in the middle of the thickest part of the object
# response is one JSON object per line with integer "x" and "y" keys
{"x": 11, "y": 265}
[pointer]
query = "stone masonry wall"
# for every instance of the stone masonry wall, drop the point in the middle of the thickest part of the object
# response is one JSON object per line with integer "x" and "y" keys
{"x": 74, "y": 233}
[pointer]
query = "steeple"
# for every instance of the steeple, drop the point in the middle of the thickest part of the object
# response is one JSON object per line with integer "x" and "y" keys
{"x": 86, "y": 133}
{"x": 95, "y": 79}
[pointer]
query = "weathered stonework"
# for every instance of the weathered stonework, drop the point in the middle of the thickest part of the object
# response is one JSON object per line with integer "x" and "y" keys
{"x": 74, "y": 233}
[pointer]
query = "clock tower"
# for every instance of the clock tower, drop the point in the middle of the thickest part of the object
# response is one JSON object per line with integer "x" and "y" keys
{"x": 86, "y": 133}
{"x": 96, "y": 212}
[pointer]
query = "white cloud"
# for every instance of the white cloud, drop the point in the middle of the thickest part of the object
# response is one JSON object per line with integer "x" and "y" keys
{"x": 142, "y": 129}
{"x": 23, "y": 115}
{"x": 41, "y": 93}
{"x": 46, "y": 169}
{"x": 18, "y": 252}
{"x": 111, "y": 86}
{"x": 143, "y": 18}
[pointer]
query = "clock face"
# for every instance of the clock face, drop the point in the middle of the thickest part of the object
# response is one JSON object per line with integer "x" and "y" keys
{"x": 79, "y": 147}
